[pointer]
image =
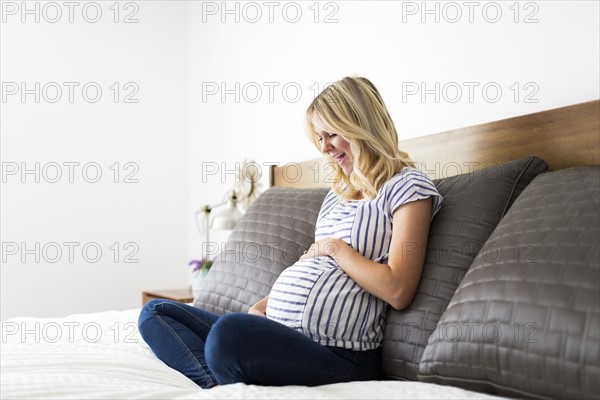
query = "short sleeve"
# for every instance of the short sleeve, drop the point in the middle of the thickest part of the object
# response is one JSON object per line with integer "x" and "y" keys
{"x": 412, "y": 185}
{"x": 328, "y": 203}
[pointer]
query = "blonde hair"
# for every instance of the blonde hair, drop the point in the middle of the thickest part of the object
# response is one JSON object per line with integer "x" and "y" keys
{"x": 353, "y": 109}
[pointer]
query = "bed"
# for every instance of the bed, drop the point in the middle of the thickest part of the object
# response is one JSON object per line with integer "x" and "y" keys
{"x": 106, "y": 358}
{"x": 101, "y": 355}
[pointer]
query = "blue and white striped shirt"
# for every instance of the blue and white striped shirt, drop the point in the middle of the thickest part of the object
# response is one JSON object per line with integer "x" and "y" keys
{"x": 316, "y": 297}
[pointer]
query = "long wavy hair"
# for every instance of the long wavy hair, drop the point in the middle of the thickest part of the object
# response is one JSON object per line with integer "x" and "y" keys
{"x": 353, "y": 109}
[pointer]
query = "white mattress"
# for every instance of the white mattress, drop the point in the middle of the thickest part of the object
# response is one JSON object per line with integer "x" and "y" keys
{"x": 102, "y": 355}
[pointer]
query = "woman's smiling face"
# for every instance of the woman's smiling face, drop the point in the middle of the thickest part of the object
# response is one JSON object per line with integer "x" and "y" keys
{"x": 333, "y": 145}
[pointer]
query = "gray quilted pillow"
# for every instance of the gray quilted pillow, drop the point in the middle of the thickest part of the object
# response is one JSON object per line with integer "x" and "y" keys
{"x": 271, "y": 236}
{"x": 473, "y": 205}
{"x": 525, "y": 321}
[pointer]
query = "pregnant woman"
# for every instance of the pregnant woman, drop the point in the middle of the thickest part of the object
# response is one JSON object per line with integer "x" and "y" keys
{"x": 323, "y": 320}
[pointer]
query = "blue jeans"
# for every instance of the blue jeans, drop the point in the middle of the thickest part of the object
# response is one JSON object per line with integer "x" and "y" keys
{"x": 211, "y": 349}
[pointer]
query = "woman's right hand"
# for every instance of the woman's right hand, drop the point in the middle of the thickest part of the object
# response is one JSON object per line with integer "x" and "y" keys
{"x": 259, "y": 308}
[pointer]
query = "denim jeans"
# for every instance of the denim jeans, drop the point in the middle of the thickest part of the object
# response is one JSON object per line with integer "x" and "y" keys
{"x": 211, "y": 349}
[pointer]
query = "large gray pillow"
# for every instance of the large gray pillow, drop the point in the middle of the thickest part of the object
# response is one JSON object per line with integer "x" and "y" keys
{"x": 525, "y": 321}
{"x": 473, "y": 205}
{"x": 277, "y": 228}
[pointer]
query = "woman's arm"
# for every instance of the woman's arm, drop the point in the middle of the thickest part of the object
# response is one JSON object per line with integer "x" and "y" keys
{"x": 395, "y": 282}
{"x": 260, "y": 308}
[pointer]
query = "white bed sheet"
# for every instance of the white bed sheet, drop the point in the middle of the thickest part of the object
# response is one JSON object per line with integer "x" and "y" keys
{"x": 102, "y": 355}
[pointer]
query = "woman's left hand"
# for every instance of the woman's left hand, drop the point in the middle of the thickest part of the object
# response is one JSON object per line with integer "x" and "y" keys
{"x": 323, "y": 247}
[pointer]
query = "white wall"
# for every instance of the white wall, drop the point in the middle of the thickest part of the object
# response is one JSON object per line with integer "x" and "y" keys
{"x": 152, "y": 134}
{"x": 399, "y": 46}
{"x": 179, "y": 50}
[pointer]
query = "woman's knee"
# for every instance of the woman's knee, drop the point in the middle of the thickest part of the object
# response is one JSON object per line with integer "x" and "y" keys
{"x": 226, "y": 344}
{"x": 147, "y": 310}
{"x": 148, "y": 313}
{"x": 225, "y": 334}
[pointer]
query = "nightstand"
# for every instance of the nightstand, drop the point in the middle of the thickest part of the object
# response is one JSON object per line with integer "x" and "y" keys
{"x": 181, "y": 295}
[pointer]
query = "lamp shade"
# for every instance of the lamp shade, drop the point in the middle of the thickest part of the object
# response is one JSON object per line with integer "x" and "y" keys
{"x": 227, "y": 218}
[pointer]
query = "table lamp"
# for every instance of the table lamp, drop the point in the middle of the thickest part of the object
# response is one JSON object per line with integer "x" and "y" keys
{"x": 225, "y": 219}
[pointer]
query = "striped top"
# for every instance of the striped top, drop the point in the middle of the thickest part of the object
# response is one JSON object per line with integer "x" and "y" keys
{"x": 316, "y": 297}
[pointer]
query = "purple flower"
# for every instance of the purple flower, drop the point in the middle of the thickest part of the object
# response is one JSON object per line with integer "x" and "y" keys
{"x": 202, "y": 264}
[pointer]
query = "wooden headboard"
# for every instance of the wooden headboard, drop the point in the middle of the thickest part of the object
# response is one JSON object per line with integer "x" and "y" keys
{"x": 564, "y": 137}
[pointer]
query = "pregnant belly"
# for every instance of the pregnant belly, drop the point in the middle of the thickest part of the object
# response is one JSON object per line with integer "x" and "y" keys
{"x": 290, "y": 292}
